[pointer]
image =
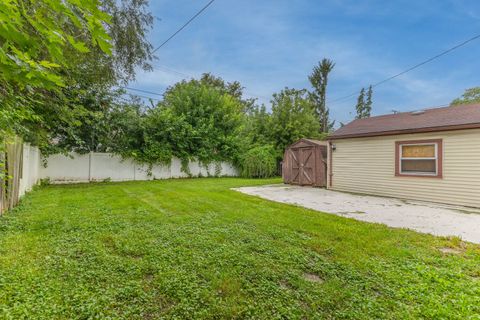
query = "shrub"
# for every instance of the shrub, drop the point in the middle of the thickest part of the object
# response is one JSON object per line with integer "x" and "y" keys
{"x": 259, "y": 162}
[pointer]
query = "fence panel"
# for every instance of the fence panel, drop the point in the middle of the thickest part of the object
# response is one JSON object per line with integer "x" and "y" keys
{"x": 12, "y": 159}
{"x": 23, "y": 169}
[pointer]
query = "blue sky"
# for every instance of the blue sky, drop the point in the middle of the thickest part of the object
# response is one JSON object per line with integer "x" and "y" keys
{"x": 270, "y": 44}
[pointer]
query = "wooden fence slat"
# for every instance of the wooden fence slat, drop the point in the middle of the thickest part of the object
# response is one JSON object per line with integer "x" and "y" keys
{"x": 3, "y": 194}
{"x": 10, "y": 186}
{"x": 17, "y": 172}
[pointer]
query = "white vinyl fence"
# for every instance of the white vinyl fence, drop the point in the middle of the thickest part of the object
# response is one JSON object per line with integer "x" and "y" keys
{"x": 106, "y": 166}
{"x": 26, "y": 168}
{"x": 30, "y": 168}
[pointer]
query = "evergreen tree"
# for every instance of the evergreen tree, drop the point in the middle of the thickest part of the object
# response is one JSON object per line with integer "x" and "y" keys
{"x": 368, "y": 104}
{"x": 360, "y": 104}
{"x": 319, "y": 81}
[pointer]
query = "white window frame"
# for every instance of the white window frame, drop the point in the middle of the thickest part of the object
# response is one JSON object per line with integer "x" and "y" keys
{"x": 418, "y": 173}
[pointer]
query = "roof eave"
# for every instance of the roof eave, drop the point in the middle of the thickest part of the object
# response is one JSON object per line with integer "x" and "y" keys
{"x": 405, "y": 131}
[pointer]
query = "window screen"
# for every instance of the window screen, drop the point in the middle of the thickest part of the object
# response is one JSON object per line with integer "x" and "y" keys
{"x": 418, "y": 159}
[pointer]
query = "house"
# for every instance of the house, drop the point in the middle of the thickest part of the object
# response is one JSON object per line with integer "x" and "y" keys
{"x": 430, "y": 155}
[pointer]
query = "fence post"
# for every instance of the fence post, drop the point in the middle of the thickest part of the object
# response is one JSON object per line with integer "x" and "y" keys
{"x": 90, "y": 166}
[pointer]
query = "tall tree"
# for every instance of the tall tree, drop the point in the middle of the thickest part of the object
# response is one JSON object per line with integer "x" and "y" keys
{"x": 293, "y": 117}
{"x": 194, "y": 121}
{"x": 471, "y": 95}
{"x": 360, "y": 107}
{"x": 37, "y": 40}
{"x": 87, "y": 97}
{"x": 368, "y": 104}
{"x": 256, "y": 127}
{"x": 234, "y": 89}
{"x": 319, "y": 81}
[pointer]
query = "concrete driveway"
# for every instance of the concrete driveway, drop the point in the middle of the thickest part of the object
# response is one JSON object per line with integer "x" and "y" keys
{"x": 437, "y": 219}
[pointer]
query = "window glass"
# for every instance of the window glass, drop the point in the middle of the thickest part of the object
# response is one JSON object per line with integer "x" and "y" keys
{"x": 419, "y": 166}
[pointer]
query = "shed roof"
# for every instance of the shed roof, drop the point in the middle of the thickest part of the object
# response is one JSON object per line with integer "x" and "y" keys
{"x": 304, "y": 141}
{"x": 429, "y": 120}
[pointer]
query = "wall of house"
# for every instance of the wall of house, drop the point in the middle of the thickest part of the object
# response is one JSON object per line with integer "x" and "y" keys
{"x": 103, "y": 166}
{"x": 367, "y": 165}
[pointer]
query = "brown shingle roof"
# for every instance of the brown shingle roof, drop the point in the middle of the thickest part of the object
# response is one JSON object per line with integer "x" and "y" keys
{"x": 430, "y": 120}
{"x": 318, "y": 142}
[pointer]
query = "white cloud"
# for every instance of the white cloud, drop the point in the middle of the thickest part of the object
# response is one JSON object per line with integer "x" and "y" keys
{"x": 267, "y": 45}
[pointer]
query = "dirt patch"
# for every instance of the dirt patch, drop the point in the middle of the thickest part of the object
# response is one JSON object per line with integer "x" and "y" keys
{"x": 148, "y": 277}
{"x": 311, "y": 277}
{"x": 285, "y": 285}
{"x": 447, "y": 250}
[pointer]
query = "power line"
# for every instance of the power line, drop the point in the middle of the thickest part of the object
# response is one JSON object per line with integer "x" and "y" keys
{"x": 393, "y": 111}
{"x": 144, "y": 91}
{"x": 182, "y": 74}
{"x": 178, "y": 73}
{"x": 141, "y": 96}
{"x": 161, "y": 94}
{"x": 183, "y": 27}
{"x": 412, "y": 67}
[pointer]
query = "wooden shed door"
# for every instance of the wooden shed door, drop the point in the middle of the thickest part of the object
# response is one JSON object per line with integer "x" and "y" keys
{"x": 307, "y": 167}
{"x": 295, "y": 163}
{"x": 303, "y": 166}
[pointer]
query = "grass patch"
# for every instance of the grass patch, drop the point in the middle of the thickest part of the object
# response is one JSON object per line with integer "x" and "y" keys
{"x": 193, "y": 248}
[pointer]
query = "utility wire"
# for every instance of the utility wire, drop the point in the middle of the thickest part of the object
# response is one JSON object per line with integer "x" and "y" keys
{"x": 168, "y": 70}
{"x": 183, "y": 27}
{"x": 139, "y": 95}
{"x": 412, "y": 67}
{"x": 409, "y": 111}
{"x": 165, "y": 69}
{"x": 184, "y": 75}
{"x": 144, "y": 91}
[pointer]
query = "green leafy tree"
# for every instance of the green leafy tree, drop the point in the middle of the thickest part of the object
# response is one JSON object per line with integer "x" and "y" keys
{"x": 235, "y": 89}
{"x": 194, "y": 121}
{"x": 105, "y": 122}
{"x": 129, "y": 28}
{"x": 293, "y": 117}
{"x": 36, "y": 34}
{"x": 470, "y": 96}
{"x": 35, "y": 37}
{"x": 257, "y": 126}
{"x": 319, "y": 82}
{"x": 76, "y": 117}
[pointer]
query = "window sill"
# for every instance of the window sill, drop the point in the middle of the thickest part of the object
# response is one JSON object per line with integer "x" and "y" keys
{"x": 431, "y": 176}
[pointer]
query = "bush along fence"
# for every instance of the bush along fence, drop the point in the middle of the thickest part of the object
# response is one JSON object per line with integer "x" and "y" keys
{"x": 23, "y": 168}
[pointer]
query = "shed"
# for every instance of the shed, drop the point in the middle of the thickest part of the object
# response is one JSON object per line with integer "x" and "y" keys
{"x": 429, "y": 155}
{"x": 305, "y": 163}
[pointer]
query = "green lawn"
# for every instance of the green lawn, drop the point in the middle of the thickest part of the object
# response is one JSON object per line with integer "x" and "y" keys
{"x": 194, "y": 249}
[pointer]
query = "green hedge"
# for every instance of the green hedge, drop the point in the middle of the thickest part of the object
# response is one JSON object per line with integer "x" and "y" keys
{"x": 259, "y": 162}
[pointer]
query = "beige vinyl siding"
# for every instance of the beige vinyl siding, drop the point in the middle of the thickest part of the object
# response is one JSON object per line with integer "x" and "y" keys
{"x": 367, "y": 165}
